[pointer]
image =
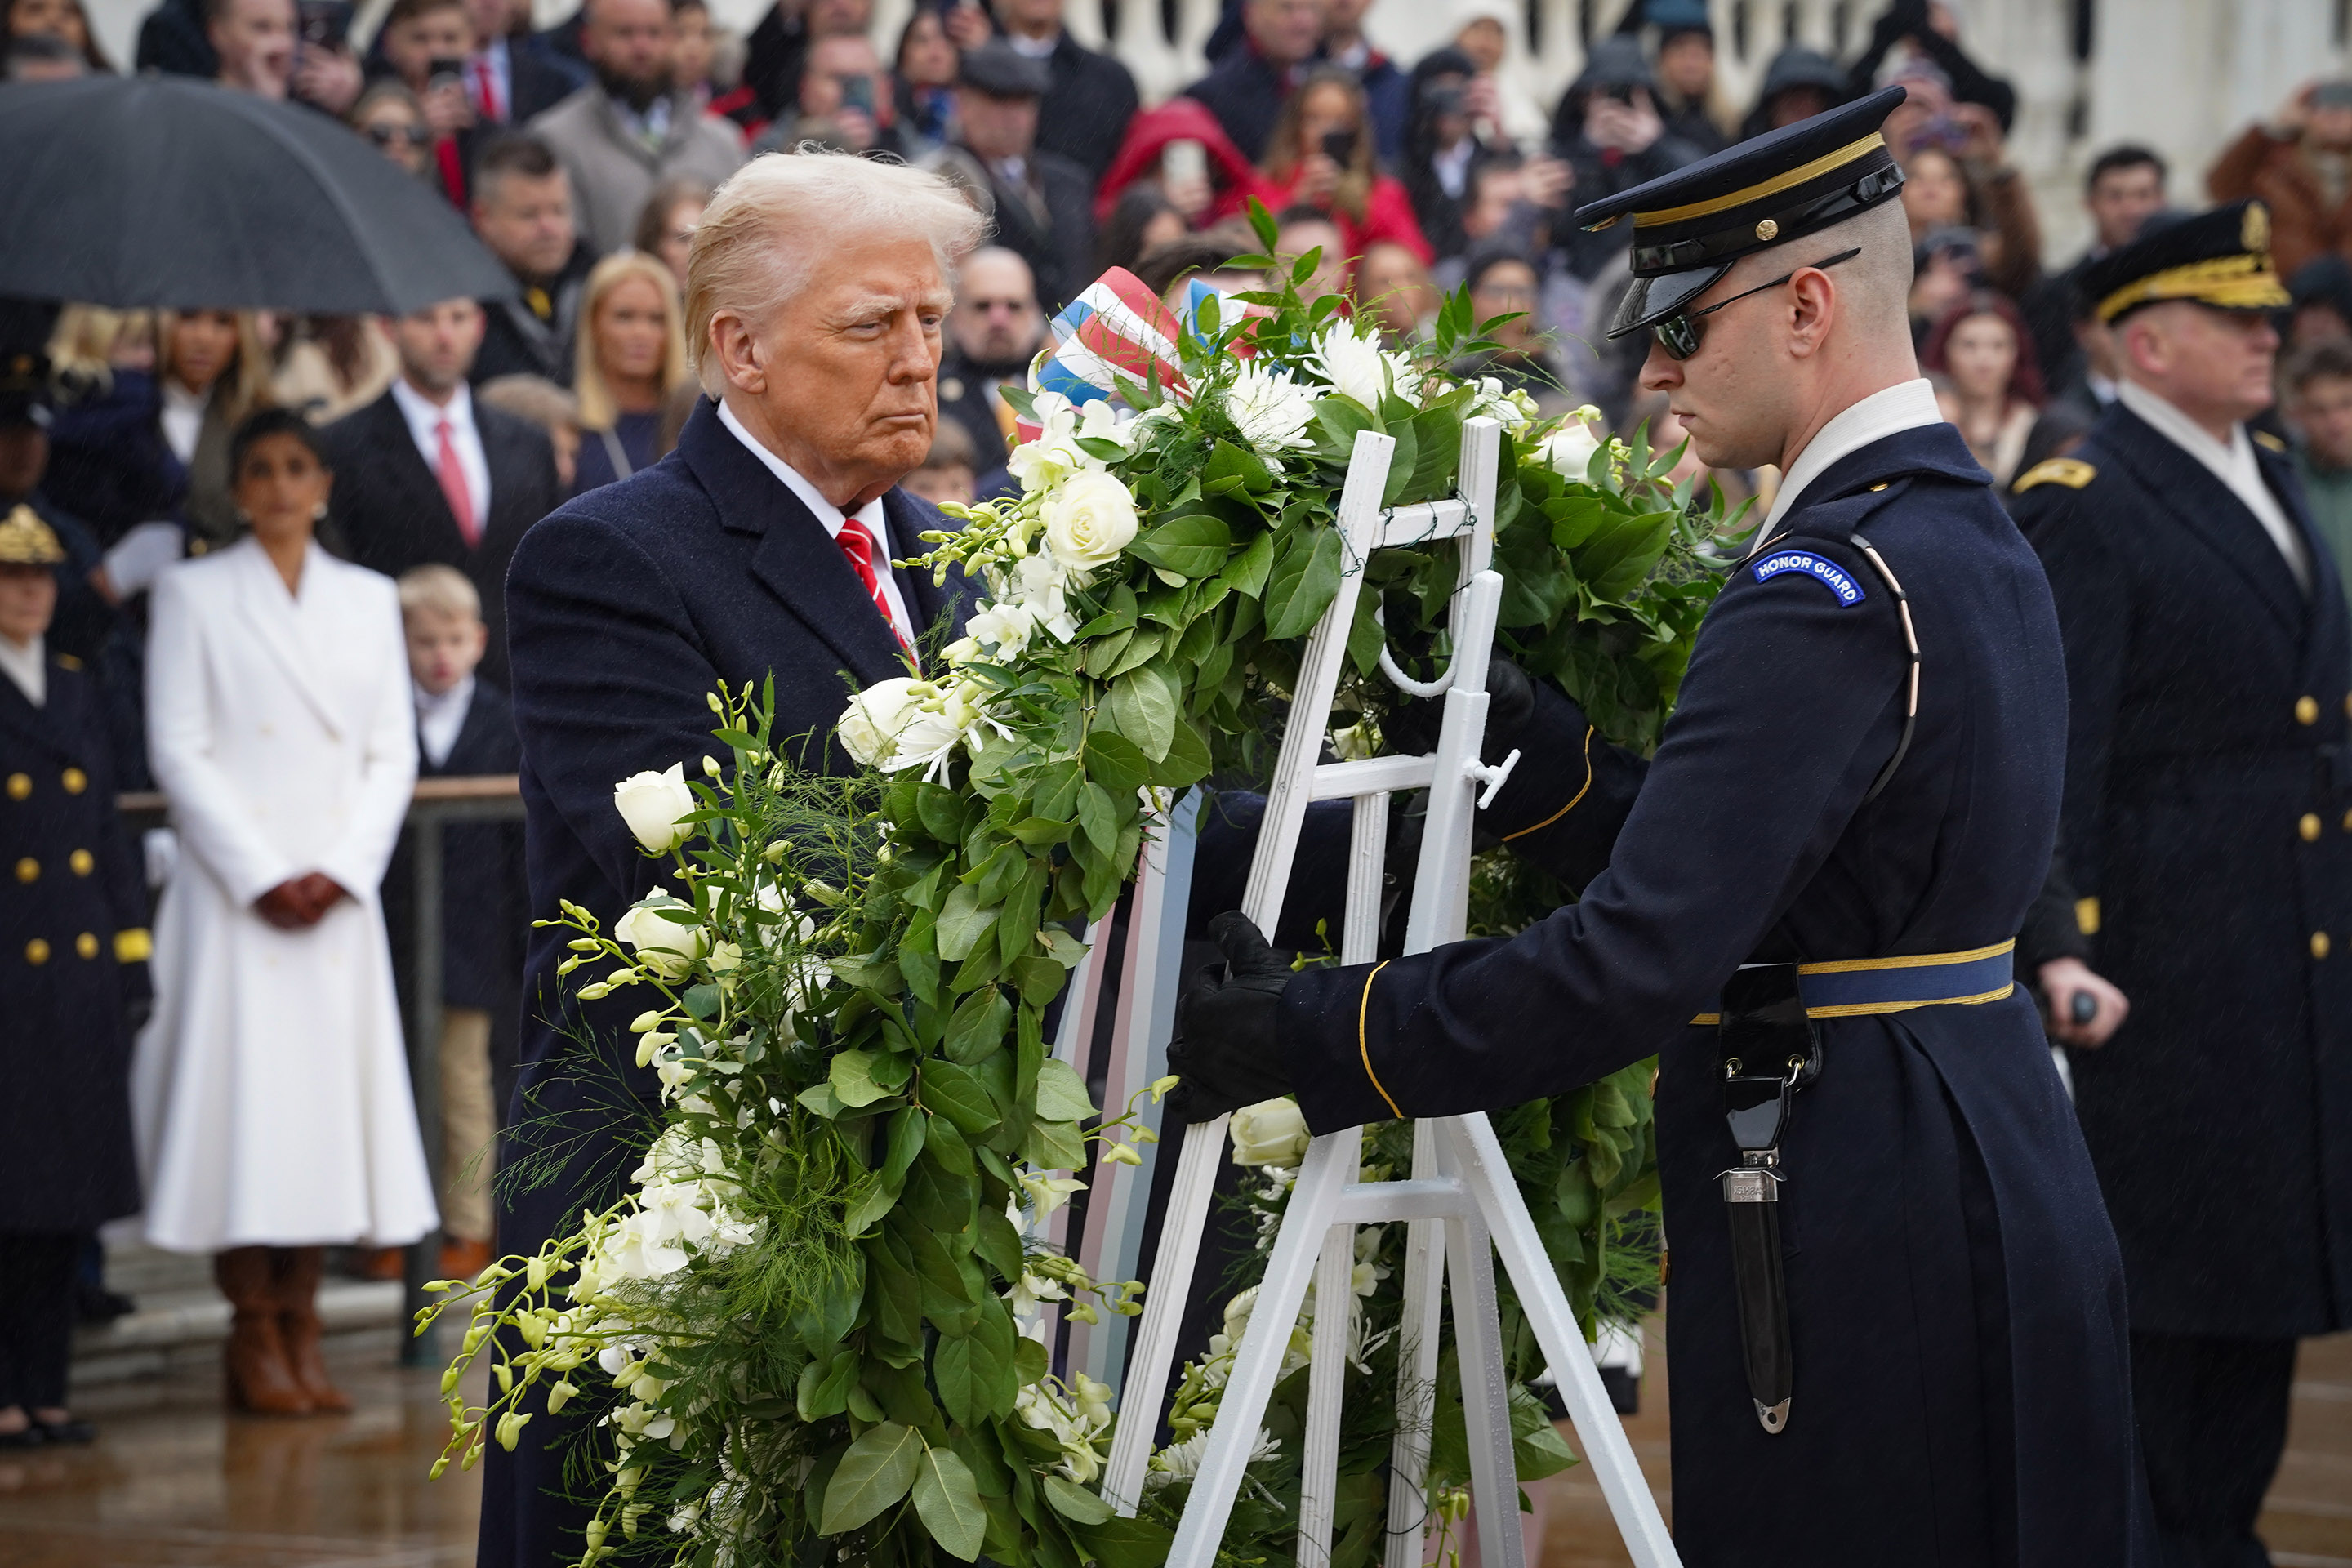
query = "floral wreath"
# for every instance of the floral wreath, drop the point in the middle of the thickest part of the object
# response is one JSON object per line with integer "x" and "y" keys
{"x": 808, "y": 1328}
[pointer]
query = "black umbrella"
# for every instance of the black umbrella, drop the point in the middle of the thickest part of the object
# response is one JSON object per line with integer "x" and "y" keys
{"x": 163, "y": 192}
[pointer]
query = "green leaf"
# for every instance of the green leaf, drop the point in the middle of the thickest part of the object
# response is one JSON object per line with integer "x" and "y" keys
{"x": 1127, "y": 1543}
{"x": 1233, "y": 469}
{"x": 1303, "y": 584}
{"x": 953, "y": 1093}
{"x": 825, "y": 1385}
{"x": 1117, "y": 762}
{"x": 1245, "y": 573}
{"x": 1195, "y": 545}
{"x": 947, "y": 1501}
{"x": 1143, "y": 705}
{"x": 878, "y": 1471}
{"x": 1072, "y": 1500}
{"x": 960, "y": 1371}
{"x": 821, "y": 1099}
{"x": 1097, "y": 817}
{"x": 852, "y": 1077}
{"x": 1338, "y": 419}
{"x": 978, "y": 1025}
{"x": 1188, "y": 760}
{"x": 1061, "y": 1094}
{"x": 998, "y": 1241}
{"x": 702, "y": 1000}
{"x": 1400, "y": 461}
{"x": 1055, "y": 1146}
{"x": 962, "y": 923}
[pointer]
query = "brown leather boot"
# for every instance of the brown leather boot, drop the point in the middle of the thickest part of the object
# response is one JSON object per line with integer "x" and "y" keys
{"x": 298, "y": 1322}
{"x": 259, "y": 1379}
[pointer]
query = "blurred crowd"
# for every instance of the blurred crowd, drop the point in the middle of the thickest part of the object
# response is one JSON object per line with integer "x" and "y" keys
{"x": 582, "y": 156}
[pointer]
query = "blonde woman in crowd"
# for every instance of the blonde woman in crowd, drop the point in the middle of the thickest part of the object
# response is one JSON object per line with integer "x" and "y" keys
{"x": 631, "y": 356}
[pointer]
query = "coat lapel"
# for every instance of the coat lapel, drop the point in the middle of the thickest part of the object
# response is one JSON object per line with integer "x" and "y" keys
{"x": 794, "y": 558}
{"x": 2330, "y": 624}
{"x": 2188, "y": 491}
{"x": 270, "y": 614}
{"x": 38, "y": 725}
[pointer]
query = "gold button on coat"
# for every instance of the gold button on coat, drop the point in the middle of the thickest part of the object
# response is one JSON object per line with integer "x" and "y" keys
{"x": 36, "y": 952}
{"x": 19, "y": 785}
{"x": 2309, "y": 827}
{"x": 76, "y": 781}
{"x": 83, "y": 862}
{"x": 29, "y": 870}
{"x": 2307, "y": 710}
{"x": 2319, "y": 944}
{"x": 86, "y": 945}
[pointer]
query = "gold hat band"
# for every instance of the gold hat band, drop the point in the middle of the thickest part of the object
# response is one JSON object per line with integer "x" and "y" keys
{"x": 1789, "y": 180}
{"x": 2234, "y": 282}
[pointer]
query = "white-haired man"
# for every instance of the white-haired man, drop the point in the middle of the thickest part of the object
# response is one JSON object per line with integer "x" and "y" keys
{"x": 1897, "y": 1328}
{"x": 816, "y": 294}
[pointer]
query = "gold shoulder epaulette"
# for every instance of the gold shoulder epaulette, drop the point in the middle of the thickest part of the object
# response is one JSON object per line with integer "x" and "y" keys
{"x": 2072, "y": 472}
{"x": 2273, "y": 442}
{"x": 67, "y": 662}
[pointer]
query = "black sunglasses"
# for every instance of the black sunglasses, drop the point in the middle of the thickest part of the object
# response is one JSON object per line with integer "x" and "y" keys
{"x": 385, "y": 135}
{"x": 1679, "y": 334}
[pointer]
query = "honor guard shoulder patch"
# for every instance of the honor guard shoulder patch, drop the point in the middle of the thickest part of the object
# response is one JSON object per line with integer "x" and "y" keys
{"x": 2264, "y": 439}
{"x": 1821, "y": 569}
{"x": 2072, "y": 472}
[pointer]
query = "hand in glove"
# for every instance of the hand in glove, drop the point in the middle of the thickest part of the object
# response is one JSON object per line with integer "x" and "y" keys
{"x": 1411, "y": 727}
{"x": 1228, "y": 1049}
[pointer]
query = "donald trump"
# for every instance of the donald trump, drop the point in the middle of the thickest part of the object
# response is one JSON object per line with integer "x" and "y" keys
{"x": 816, "y": 292}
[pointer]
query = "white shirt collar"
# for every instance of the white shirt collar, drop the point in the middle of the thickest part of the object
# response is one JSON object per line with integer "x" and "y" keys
{"x": 831, "y": 516}
{"x": 27, "y": 664}
{"x": 1905, "y": 406}
{"x": 1036, "y": 48}
{"x": 424, "y": 416}
{"x": 440, "y": 719}
{"x": 2233, "y": 464}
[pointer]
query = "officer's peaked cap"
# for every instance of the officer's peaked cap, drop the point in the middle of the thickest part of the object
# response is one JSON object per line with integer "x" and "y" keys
{"x": 2221, "y": 259}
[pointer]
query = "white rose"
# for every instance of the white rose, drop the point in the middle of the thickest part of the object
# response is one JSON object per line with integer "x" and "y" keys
{"x": 1568, "y": 451}
{"x": 1271, "y": 1133}
{"x": 870, "y": 725}
{"x": 651, "y": 805}
{"x": 661, "y": 943}
{"x": 1089, "y": 520}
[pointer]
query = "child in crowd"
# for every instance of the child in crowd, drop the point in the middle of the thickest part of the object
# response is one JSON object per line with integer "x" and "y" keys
{"x": 950, "y": 470}
{"x": 464, "y": 728}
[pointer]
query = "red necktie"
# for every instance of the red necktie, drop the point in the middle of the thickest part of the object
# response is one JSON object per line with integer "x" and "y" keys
{"x": 857, "y": 545}
{"x": 452, "y": 475}
{"x": 486, "y": 90}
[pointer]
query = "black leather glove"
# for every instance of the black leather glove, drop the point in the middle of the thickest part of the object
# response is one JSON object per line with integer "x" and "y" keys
{"x": 1228, "y": 1049}
{"x": 1411, "y": 727}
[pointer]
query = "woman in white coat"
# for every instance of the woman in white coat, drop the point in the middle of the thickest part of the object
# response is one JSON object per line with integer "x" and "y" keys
{"x": 271, "y": 1089}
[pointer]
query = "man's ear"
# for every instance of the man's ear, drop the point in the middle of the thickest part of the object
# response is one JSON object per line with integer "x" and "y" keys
{"x": 738, "y": 350}
{"x": 1812, "y": 310}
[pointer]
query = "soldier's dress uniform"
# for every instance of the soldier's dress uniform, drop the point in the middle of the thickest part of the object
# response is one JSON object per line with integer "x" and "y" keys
{"x": 1954, "y": 1293}
{"x": 2209, "y": 827}
{"x": 73, "y": 956}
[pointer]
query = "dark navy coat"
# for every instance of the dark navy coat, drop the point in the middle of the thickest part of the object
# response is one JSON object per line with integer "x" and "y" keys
{"x": 483, "y": 907}
{"x": 2208, "y": 815}
{"x": 1962, "y": 1386}
{"x": 73, "y": 953}
{"x": 624, "y": 609}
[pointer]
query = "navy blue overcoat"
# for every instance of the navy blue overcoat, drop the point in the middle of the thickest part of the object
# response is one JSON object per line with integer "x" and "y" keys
{"x": 1962, "y": 1389}
{"x": 2209, "y": 827}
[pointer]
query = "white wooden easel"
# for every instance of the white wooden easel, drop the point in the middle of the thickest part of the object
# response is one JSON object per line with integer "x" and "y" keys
{"x": 1461, "y": 1201}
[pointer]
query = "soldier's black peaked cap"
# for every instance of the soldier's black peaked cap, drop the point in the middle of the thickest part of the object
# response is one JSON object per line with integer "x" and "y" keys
{"x": 1689, "y": 226}
{"x": 2221, "y": 259}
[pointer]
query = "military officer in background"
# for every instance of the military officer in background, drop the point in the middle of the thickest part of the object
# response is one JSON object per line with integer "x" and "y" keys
{"x": 73, "y": 959}
{"x": 1897, "y": 1327}
{"x": 2209, "y": 829}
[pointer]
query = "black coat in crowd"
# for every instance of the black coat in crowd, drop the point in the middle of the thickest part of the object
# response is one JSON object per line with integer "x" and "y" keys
{"x": 2209, "y": 823}
{"x": 1244, "y": 91}
{"x": 1083, "y": 116}
{"x": 73, "y": 954}
{"x": 533, "y": 335}
{"x": 1048, "y": 219}
{"x": 392, "y": 516}
{"x": 626, "y": 608}
{"x": 1956, "y": 1300}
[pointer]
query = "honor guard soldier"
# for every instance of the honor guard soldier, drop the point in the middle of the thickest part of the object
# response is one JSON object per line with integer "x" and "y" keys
{"x": 2208, "y": 826}
{"x": 1896, "y": 1329}
{"x": 73, "y": 961}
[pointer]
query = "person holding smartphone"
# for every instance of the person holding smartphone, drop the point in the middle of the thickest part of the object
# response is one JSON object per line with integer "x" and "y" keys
{"x": 428, "y": 43}
{"x": 1320, "y": 156}
{"x": 2274, "y": 161}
